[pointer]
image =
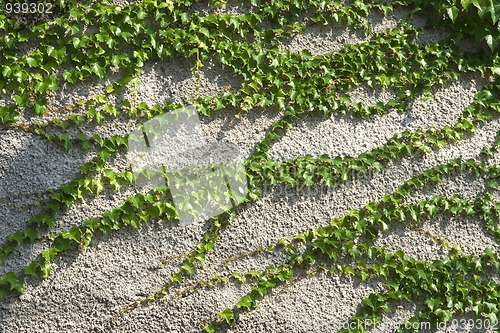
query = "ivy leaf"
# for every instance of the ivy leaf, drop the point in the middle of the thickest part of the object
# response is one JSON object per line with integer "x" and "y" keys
{"x": 40, "y": 106}
{"x": 4, "y": 292}
{"x": 31, "y": 61}
{"x": 415, "y": 214}
{"x": 431, "y": 208}
{"x": 130, "y": 177}
{"x": 74, "y": 234}
{"x": 354, "y": 252}
{"x": 97, "y": 70}
{"x": 154, "y": 212}
{"x": 99, "y": 186}
{"x": 61, "y": 244}
{"x": 141, "y": 14}
{"x": 245, "y": 302}
{"x": 111, "y": 43}
{"x": 31, "y": 234}
{"x": 493, "y": 184}
{"x": 209, "y": 246}
{"x": 13, "y": 281}
{"x": 227, "y": 315}
{"x": 490, "y": 41}
{"x": 65, "y": 140}
{"x": 6, "y": 71}
{"x": 175, "y": 278}
{"x": 43, "y": 220}
{"x": 7, "y": 115}
{"x": 18, "y": 237}
{"x": 31, "y": 269}
{"x": 133, "y": 221}
{"x": 452, "y": 13}
{"x": 136, "y": 202}
{"x": 49, "y": 254}
{"x": 466, "y": 3}
{"x": 76, "y": 42}
{"x": 46, "y": 269}
{"x": 76, "y": 13}
{"x": 445, "y": 315}
{"x": 18, "y": 100}
{"x": 68, "y": 76}
{"x": 281, "y": 102}
{"x": 188, "y": 268}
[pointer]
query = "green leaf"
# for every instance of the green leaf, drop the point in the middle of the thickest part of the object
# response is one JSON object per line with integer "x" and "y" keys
{"x": 281, "y": 102}
{"x": 452, "y": 13}
{"x": 6, "y": 71}
{"x": 154, "y": 212}
{"x": 99, "y": 117}
{"x": 18, "y": 99}
{"x": 209, "y": 246}
{"x": 46, "y": 269}
{"x": 43, "y": 220}
{"x": 111, "y": 43}
{"x": 76, "y": 42}
{"x": 31, "y": 61}
{"x": 13, "y": 281}
{"x": 49, "y": 254}
{"x": 61, "y": 244}
{"x": 40, "y": 107}
{"x": 227, "y": 315}
{"x": 431, "y": 208}
{"x": 7, "y": 115}
{"x": 76, "y": 13}
{"x": 141, "y": 14}
{"x": 466, "y": 3}
{"x": 65, "y": 140}
{"x": 68, "y": 76}
{"x": 188, "y": 268}
{"x": 237, "y": 275}
{"x": 50, "y": 50}
{"x": 210, "y": 328}
{"x": 245, "y": 302}
{"x": 31, "y": 234}
{"x": 97, "y": 70}
{"x": 75, "y": 234}
{"x": 136, "y": 202}
{"x": 18, "y": 237}
{"x": 99, "y": 186}
{"x": 490, "y": 41}
{"x": 4, "y": 292}
{"x": 31, "y": 269}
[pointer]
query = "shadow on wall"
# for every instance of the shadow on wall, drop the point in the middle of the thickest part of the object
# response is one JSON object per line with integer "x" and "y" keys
{"x": 28, "y": 165}
{"x": 173, "y": 81}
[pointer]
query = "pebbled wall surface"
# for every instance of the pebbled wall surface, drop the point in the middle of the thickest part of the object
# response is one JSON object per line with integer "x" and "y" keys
{"x": 85, "y": 291}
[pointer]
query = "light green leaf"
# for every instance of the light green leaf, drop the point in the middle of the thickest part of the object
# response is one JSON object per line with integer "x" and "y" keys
{"x": 6, "y": 71}
{"x": 31, "y": 61}
{"x": 490, "y": 41}
{"x": 97, "y": 70}
{"x": 76, "y": 13}
{"x": 227, "y": 315}
{"x": 452, "y": 13}
{"x": 65, "y": 140}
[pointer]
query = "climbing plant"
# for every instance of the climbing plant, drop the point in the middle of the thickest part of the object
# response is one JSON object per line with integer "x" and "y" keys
{"x": 83, "y": 43}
